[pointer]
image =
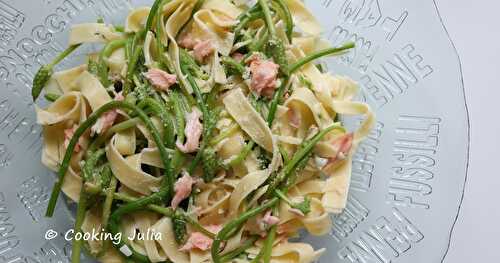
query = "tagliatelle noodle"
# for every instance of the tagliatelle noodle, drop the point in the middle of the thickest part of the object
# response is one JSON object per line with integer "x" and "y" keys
{"x": 168, "y": 243}
{"x": 66, "y": 78}
{"x": 136, "y": 19}
{"x": 128, "y": 171}
{"x": 92, "y": 33}
{"x": 174, "y": 24}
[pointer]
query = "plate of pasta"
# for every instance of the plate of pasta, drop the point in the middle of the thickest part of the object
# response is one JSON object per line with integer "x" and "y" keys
{"x": 230, "y": 131}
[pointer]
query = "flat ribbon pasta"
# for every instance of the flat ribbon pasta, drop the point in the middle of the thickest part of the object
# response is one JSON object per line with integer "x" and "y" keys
{"x": 173, "y": 26}
{"x": 117, "y": 61}
{"x": 306, "y": 97}
{"x": 167, "y": 242}
{"x": 72, "y": 185}
{"x": 93, "y": 223}
{"x": 304, "y": 19}
{"x": 249, "y": 120}
{"x": 149, "y": 46}
{"x": 65, "y": 112}
{"x": 68, "y": 107}
{"x": 337, "y": 187}
{"x": 93, "y": 90}
{"x": 128, "y": 171}
{"x": 143, "y": 223}
{"x": 92, "y": 33}
{"x": 66, "y": 78}
{"x": 208, "y": 25}
{"x": 125, "y": 142}
{"x": 224, "y": 7}
{"x": 288, "y": 252}
{"x": 254, "y": 125}
{"x": 136, "y": 19}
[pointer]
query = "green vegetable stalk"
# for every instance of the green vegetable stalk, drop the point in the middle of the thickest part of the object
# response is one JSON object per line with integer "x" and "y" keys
{"x": 284, "y": 12}
{"x": 76, "y": 247}
{"x": 153, "y": 12}
{"x": 208, "y": 117}
{"x": 45, "y": 72}
{"x": 89, "y": 167}
{"x": 305, "y": 149}
{"x": 190, "y": 65}
{"x": 210, "y": 163}
{"x": 268, "y": 245}
{"x": 180, "y": 124}
{"x": 274, "y": 47}
{"x": 322, "y": 53}
{"x": 86, "y": 125}
{"x": 233, "y": 254}
{"x": 180, "y": 229}
{"x": 233, "y": 67}
{"x": 163, "y": 59}
{"x": 296, "y": 66}
{"x": 166, "y": 211}
{"x": 52, "y": 97}
{"x": 106, "y": 207}
{"x": 159, "y": 109}
{"x": 231, "y": 227}
{"x": 102, "y": 66}
{"x": 304, "y": 207}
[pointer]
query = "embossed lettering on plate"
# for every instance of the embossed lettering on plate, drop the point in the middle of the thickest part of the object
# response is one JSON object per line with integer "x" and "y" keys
{"x": 414, "y": 154}
{"x": 393, "y": 77}
{"x": 6, "y": 156}
{"x": 9, "y": 241}
{"x": 19, "y": 62}
{"x": 34, "y": 196}
{"x": 19, "y": 130}
{"x": 363, "y": 162}
{"x": 11, "y": 20}
{"x": 346, "y": 222}
{"x": 388, "y": 238}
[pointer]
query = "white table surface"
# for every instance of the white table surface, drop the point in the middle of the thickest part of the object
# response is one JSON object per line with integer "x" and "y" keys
{"x": 473, "y": 27}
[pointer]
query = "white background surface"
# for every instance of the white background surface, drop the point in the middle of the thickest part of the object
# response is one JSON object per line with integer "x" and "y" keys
{"x": 474, "y": 28}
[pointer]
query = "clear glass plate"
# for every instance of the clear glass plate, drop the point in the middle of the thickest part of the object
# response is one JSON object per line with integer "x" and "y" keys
{"x": 408, "y": 177}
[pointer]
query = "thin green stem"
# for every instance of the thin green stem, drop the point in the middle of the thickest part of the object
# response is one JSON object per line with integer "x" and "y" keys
{"x": 108, "y": 201}
{"x": 223, "y": 135}
{"x": 286, "y": 16}
{"x": 258, "y": 44}
{"x": 89, "y": 167}
{"x": 63, "y": 55}
{"x": 51, "y": 97}
{"x": 268, "y": 245}
{"x": 122, "y": 126}
{"x": 106, "y": 208}
{"x": 322, "y": 53}
{"x": 152, "y": 14}
{"x": 203, "y": 107}
{"x": 91, "y": 120}
{"x": 232, "y": 65}
{"x": 164, "y": 59}
{"x": 134, "y": 52}
{"x": 267, "y": 17}
{"x": 45, "y": 72}
{"x": 305, "y": 149}
{"x": 243, "y": 154}
{"x": 80, "y": 216}
{"x": 160, "y": 110}
{"x": 245, "y": 20}
{"x": 102, "y": 68}
{"x": 283, "y": 197}
{"x": 233, "y": 254}
{"x": 276, "y": 101}
{"x": 229, "y": 228}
